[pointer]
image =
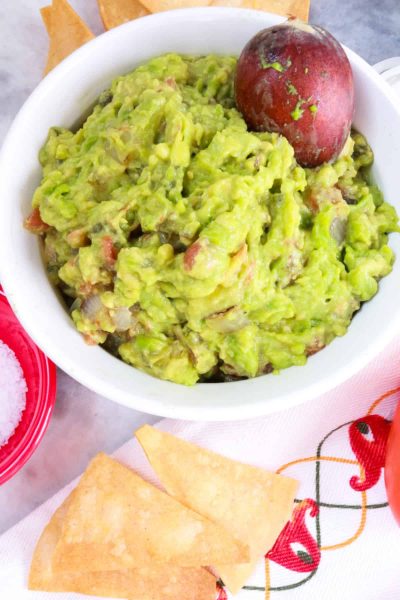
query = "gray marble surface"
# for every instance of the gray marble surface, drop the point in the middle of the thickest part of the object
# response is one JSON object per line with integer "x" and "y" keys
{"x": 84, "y": 423}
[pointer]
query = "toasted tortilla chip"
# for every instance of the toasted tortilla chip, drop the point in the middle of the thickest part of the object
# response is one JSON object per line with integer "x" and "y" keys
{"x": 161, "y": 5}
{"x": 66, "y": 29}
{"x": 116, "y": 520}
{"x": 253, "y": 504}
{"x": 158, "y": 582}
{"x": 289, "y": 8}
{"x": 45, "y": 12}
{"x": 41, "y": 576}
{"x": 117, "y": 12}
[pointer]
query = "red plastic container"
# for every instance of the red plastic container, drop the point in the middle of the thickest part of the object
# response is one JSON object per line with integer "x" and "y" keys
{"x": 40, "y": 376}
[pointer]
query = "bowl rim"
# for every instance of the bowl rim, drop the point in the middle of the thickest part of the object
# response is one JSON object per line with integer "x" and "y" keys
{"x": 155, "y": 406}
{"x": 33, "y": 435}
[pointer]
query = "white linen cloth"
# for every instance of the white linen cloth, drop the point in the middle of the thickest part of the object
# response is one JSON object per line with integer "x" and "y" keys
{"x": 368, "y": 568}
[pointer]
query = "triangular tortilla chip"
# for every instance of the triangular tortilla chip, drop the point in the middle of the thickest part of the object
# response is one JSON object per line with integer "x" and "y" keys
{"x": 289, "y": 8}
{"x": 158, "y": 582}
{"x": 116, "y": 520}
{"x": 45, "y": 12}
{"x": 249, "y": 502}
{"x": 66, "y": 30}
{"x": 117, "y": 12}
{"x": 155, "y": 6}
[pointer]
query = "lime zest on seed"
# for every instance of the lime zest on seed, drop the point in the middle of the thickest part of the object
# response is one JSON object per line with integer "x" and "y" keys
{"x": 297, "y": 113}
{"x": 277, "y": 66}
{"x": 291, "y": 89}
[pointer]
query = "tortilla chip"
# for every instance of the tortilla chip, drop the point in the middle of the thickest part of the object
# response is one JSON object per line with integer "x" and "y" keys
{"x": 289, "y": 8}
{"x": 117, "y": 12}
{"x": 41, "y": 576}
{"x": 66, "y": 29}
{"x": 116, "y": 520}
{"x": 45, "y": 12}
{"x": 161, "y": 5}
{"x": 249, "y": 502}
{"x": 158, "y": 582}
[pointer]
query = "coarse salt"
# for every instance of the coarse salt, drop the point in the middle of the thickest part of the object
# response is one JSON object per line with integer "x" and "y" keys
{"x": 13, "y": 390}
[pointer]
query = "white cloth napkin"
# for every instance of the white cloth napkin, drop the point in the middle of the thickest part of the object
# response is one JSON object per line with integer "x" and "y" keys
{"x": 360, "y": 555}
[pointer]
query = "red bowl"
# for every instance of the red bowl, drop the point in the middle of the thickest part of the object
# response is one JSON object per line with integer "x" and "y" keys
{"x": 40, "y": 376}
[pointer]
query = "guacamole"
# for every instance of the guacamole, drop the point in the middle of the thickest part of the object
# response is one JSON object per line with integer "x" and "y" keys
{"x": 195, "y": 249}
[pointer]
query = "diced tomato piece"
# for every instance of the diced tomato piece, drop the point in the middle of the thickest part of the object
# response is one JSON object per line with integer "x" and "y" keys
{"x": 312, "y": 201}
{"x": 35, "y": 223}
{"x": 110, "y": 252}
{"x": 190, "y": 255}
{"x": 171, "y": 82}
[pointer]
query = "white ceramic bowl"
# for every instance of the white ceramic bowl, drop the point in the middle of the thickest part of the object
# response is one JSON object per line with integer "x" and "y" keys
{"x": 61, "y": 99}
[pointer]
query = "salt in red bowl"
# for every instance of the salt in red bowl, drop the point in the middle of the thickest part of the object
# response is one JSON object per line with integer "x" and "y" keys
{"x": 40, "y": 377}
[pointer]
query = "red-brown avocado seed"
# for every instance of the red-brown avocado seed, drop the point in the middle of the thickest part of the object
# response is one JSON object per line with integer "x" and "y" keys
{"x": 295, "y": 79}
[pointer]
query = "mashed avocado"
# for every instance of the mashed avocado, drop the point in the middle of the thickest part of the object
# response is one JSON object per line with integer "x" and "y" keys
{"x": 195, "y": 249}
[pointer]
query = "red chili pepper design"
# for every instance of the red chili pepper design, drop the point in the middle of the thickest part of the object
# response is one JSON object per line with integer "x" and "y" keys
{"x": 222, "y": 595}
{"x": 368, "y": 438}
{"x": 295, "y": 531}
